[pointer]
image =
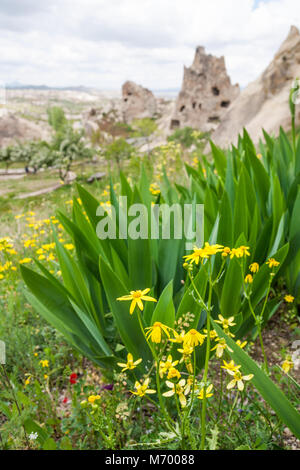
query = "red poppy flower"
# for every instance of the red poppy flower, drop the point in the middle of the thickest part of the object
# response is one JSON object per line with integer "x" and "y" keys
{"x": 65, "y": 400}
{"x": 73, "y": 378}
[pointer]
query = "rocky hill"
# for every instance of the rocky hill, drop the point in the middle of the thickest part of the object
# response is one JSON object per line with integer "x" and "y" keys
{"x": 206, "y": 93}
{"x": 137, "y": 102}
{"x": 264, "y": 102}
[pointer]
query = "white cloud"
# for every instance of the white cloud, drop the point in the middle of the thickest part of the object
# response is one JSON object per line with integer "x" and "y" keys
{"x": 101, "y": 43}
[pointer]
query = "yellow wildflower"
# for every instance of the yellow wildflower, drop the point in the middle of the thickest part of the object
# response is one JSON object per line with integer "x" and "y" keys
{"x": 272, "y": 263}
{"x": 25, "y": 260}
{"x": 130, "y": 364}
{"x": 44, "y": 363}
{"x": 165, "y": 366}
{"x": 225, "y": 322}
{"x": 178, "y": 338}
{"x": 236, "y": 252}
{"x": 136, "y": 296}
{"x": 226, "y": 251}
{"x": 27, "y": 381}
{"x": 254, "y": 267}
{"x": 241, "y": 344}
{"x": 230, "y": 366}
{"x": 142, "y": 388}
{"x": 93, "y": 398}
{"x": 245, "y": 250}
{"x": 289, "y": 298}
{"x": 155, "y": 331}
{"x": 212, "y": 334}
{"x": 11, "y": 251}
{"x": 181, "y": 389}
{"x": 249, "y": 279}
{"x": 238, "y": 379}
{"x": 192, "y": 338}
{"x": 173, "y": 374}
{"x": 220, "y": 347}
{"x": 287, "y": 364}
{"x": 239, "y": 252}
{"x": 207, "y": 392}
{"x": 212, "y": 249}
{"x": 154, "y": 189}
{"x": 69, "y": 246}
{"x": 186, "y": 351}
{"x": 198, "y": 253}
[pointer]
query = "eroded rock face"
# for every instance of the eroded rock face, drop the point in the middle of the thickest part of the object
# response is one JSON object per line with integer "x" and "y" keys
{"x": 264, "y": 102}
{"x": 206, "y": 93}
{"x": 137, "y": 102}
{"x": 13, "y": 129}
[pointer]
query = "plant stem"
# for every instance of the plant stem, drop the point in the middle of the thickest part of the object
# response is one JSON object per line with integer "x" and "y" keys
{"x": 203, "y": 419}
{"x": 257, "y": 319}
{"x": 155, "y": 357}
{"x": 233, "y": 406}
{"x": 221, "y": 392}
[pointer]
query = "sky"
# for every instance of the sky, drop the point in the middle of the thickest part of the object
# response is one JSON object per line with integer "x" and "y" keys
{"x": 102, "y": 43}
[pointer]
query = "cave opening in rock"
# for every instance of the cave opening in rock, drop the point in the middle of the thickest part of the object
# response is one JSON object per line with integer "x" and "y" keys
{"x": 182, "y": 108}
{"x": 213, "y": 119}
{"x": 215, "y": 91}
{"x": 175, "y": 123}
{"x": 225, "y": 103}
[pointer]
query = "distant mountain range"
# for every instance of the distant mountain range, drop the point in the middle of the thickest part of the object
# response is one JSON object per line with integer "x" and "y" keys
{"x": 22, "y": 86}
{"x": 171, "y": 92}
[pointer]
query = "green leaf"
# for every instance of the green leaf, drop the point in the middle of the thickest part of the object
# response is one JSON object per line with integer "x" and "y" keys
{"x": 127, "y": 325}
{"x": 219, "y": 159}
{"x": 240, "y": 216}
{"x": 231, "y": 293}
{"x": 139, "y": 257}
{"x": 32, "y": 427}
{"x": 164, "y": 311}
{"x": 49, "y": 444}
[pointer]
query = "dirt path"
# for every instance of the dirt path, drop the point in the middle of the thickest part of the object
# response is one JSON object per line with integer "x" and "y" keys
{"x": 39, "y": 192}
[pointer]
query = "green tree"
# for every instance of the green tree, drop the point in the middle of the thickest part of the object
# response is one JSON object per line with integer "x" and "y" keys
{"x": 7, "y": 156}
{"x": 67, "y": 147}
{"x": 144, "y": 128}
{"x": 119, "y": 150}
{"x": 57, "y": 118}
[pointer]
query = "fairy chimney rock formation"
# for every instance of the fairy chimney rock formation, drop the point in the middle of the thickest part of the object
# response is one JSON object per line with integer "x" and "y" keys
{"x": 264, "y": 102}
{"x": 206, "y": 93}
{"x": 137, "y": 102}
